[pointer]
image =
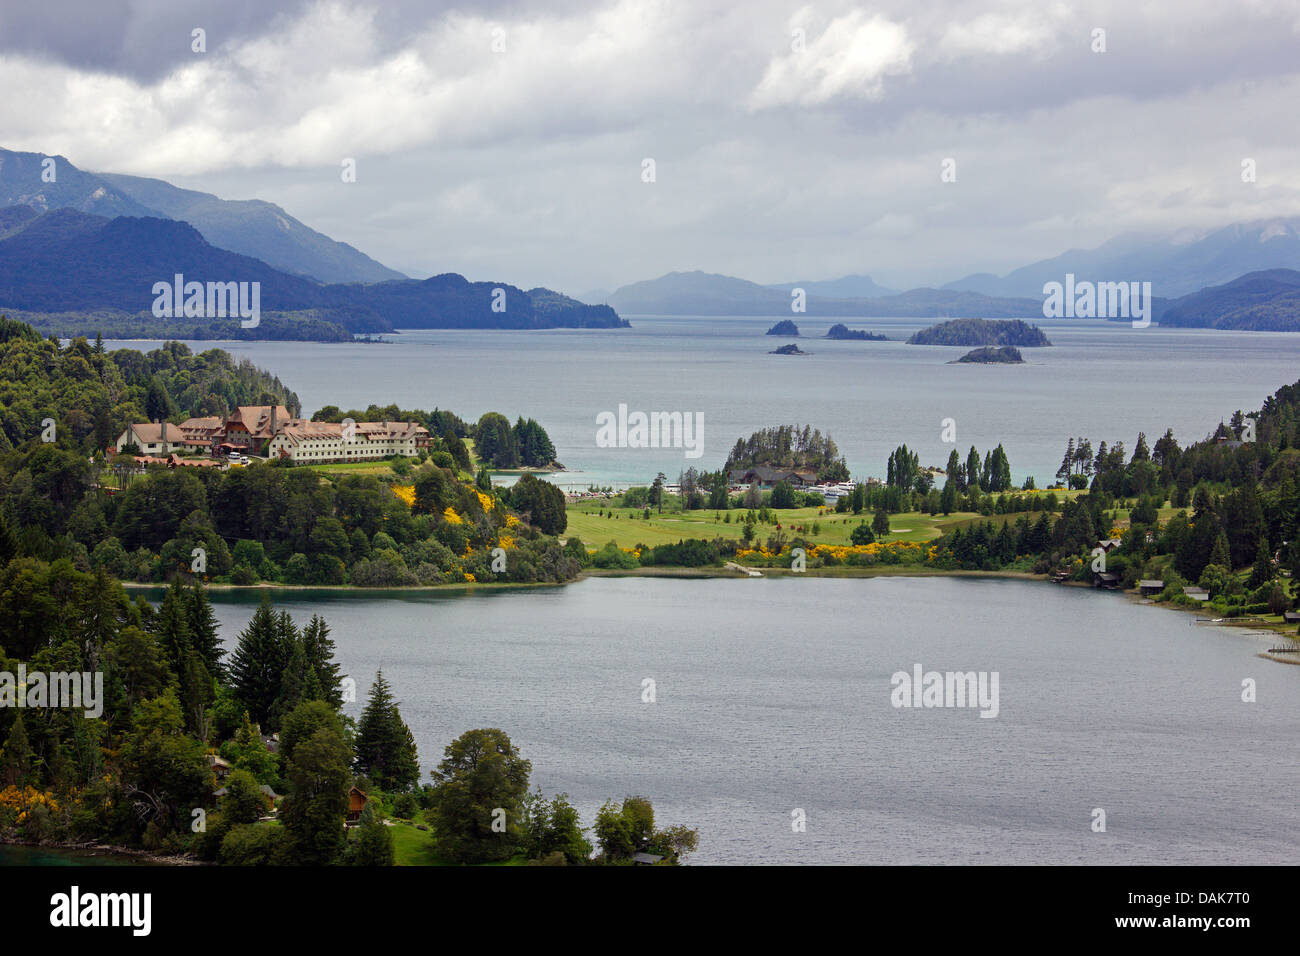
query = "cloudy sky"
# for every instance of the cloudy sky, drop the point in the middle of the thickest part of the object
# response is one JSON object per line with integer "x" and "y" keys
{"x": 790, "y": 141}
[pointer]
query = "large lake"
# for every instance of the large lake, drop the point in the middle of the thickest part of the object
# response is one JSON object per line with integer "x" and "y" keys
{"x": 1102, "y": 380}
{"x": 773, "y": 695}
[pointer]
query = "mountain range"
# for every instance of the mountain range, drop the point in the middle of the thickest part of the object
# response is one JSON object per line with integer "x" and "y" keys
{"x": 702, "y": 293}
{"x": 1265, "y": 301}
{"x": 74, "y": 243}
{"x": 67, "y": 261}
{"x": 1175, "y": 264}
{"x": 251, "y": 227}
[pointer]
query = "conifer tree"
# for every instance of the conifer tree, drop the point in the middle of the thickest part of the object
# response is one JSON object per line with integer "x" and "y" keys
{"x": 257, "y": 666}
{"x": 385, "y": 747}
{"x": 172, "y": 627}
{"x": 204, "y": 636}
{"x": 374, "y": 840}
{"x": 320, "y": 655}
{"x": 16, "y": 758}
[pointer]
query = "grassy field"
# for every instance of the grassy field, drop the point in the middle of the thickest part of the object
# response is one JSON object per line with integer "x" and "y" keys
{"x": 626, "y": 526}
{"x": 413, "y": 847}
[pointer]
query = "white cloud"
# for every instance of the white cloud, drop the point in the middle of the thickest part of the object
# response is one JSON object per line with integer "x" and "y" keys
{"x": 849, "y": 58}
{"x": 1033, "y": 29}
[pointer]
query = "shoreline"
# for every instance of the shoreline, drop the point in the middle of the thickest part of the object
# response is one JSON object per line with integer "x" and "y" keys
{"x": 96, "y": 849}
{"x": 1261, "y": 632}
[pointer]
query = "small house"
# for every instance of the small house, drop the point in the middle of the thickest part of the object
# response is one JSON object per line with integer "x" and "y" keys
{"x": 220, "y": 766}
{"x": 1106, "y": 579}
{"x": 1150, "y": 587}
{"x": 1291, "y": 617}
{"x": 356, "y": 803}
{"x": 1109, "y": 545}
{"x": 645, "y": 859}
{"x": 1197, "y": 594}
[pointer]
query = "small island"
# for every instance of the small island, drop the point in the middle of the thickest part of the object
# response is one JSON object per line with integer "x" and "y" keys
{"x": 788, "y": 350}
{"x": 784, "y": 327}
{"x": 842, "y": 332}
{"x": 988, "y": 355}
{"x": 972, "y": 333}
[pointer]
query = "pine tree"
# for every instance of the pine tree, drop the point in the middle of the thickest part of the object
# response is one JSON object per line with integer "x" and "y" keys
{"x": 1220, "y": 555}
{"x": 385, "y": 747}
{"x": 204, "y": 634}
{"x": 257, "y": 666}
{"x": 172, "y": 627}
{"x": 294, "y": 683}
{"x": 1262, "y": 571}
{"x": 320, "y": 654}
{"x": 197, "y": 692}
{"x": 16, "y": 758}
{"x": 1067, "y": 463}
{"x": 374, "y": 840}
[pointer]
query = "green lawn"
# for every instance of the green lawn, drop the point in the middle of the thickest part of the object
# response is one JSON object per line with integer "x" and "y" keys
{"x": 627, "y": 528}
{"x": 412, "y": 847}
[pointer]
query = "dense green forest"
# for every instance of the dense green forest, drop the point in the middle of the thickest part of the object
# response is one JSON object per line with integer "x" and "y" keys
{"x": 184, "y": 747}
{"x": 427, "y": 523}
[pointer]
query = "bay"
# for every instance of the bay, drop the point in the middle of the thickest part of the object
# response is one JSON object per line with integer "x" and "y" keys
{"x": 774, "y": 695}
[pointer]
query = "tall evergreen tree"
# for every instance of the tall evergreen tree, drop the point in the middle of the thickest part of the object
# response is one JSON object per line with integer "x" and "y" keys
{"x": 172, "y": 627}
{"x": 1262, "y": 570}
{"x": 257, "y": 666}
{"x": 315, "y": 759}
{"x": 374, "y": 843}
{"x": 320, "y": 655}
{"x": 204, "y": 635}
{"x": 385, "y": 748}
{"x": 17, "y": 756}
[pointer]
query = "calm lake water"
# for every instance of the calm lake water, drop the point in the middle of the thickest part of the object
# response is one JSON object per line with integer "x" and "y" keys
{"x": 773, "y": 695}
{"x": 1102, "y": 380}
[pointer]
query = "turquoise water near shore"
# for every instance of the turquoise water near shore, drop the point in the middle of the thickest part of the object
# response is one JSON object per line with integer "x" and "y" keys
{"x": 53, "y": 856}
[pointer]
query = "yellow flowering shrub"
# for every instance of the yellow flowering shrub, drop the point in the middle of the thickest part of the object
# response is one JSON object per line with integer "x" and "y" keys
{"x": 406, "y": 493}
{"x": 450, "y": 514}
{"x": 485, "y": 500}
{"x": 25, "y": 799}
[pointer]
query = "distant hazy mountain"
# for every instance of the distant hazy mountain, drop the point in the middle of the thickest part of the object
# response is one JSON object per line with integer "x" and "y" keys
{"x": 845, "y": 287}
{"x": 701, "y": 293}
{"x": 1175, "y": 265}
{"x": 594, "y": 296}
{"x": 67, "y": 261}
{"x": 251, "y": 227}
{"x": 256, "y": 228}
{"x": 1259, "y": 301}
{"x": 22, "y": 183}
